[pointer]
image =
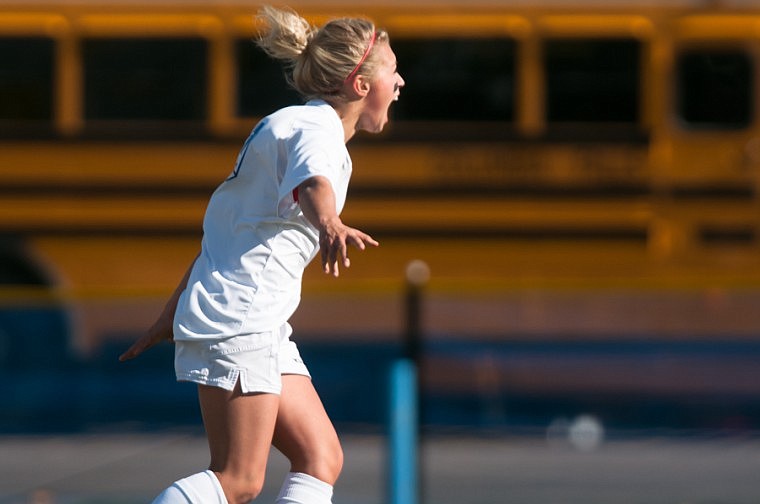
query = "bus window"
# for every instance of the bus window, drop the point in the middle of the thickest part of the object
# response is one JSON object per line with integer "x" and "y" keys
{"x": 144, "y": 79}
{"x": 592, "y": 80}
{"x": 26, "y": 85}
{"x": 262, "y": 87}
{"x": 456, "y": 79}
{"x": 715, "y": 89}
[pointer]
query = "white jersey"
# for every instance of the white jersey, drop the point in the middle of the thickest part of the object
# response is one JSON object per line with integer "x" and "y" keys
{"x": 256, "y": 240}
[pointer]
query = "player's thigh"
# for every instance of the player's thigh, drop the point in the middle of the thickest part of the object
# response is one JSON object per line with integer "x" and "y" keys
{"x": 304, "y": 432}
{"x": 239, "y": 428}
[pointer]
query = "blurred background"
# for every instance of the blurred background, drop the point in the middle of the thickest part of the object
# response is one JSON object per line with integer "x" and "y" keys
{"x": 582, "y": 180}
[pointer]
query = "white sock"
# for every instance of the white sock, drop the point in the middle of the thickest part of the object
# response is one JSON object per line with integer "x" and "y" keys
{"x": 200, "y": 488}
{"x": 300, "y": 488}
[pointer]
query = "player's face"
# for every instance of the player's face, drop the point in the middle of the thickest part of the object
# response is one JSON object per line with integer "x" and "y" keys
{"x": 385, "y": 88}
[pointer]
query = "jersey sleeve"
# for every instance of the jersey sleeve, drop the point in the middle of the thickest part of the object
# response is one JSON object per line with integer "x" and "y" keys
{"x": 308, "y": 157}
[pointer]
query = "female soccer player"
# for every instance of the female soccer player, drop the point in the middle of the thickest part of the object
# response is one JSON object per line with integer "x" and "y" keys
{"x": 276, "y": 211}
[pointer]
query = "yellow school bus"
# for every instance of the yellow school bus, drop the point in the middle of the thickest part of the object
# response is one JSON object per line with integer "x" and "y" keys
{"x": 592, "y": 169}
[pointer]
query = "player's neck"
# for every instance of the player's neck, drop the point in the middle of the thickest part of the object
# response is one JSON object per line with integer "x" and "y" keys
{"x": 349, "y": 113}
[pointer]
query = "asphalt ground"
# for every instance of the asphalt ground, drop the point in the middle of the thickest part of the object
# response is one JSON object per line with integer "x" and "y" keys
{"x": 109, "y": 468}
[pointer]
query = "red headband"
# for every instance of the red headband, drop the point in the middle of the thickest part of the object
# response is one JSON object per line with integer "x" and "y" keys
{"x": 364, "y": 57}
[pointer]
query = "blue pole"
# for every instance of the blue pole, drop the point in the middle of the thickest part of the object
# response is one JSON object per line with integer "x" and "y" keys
{"x": 403, "y": 433}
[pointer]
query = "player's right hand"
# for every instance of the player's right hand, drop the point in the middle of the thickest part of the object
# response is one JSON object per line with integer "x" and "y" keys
{"x": 160, "y": 331}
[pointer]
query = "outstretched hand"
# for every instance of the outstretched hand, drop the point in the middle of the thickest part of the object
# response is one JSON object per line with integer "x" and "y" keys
{"x": 334, "y": 238}
{"x": 317, "y": 201}
{"x": 160, "y": 331}
{"x": 163, "y": 328}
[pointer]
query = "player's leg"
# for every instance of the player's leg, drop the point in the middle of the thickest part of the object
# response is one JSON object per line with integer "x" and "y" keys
{"x": 202, "y": 487}
{"x": 306, "y": 436}
{"x": 239, "y": 428}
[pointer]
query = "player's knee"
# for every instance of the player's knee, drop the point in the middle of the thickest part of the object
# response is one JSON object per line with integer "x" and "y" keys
{"x": 324, "y": 462}
{"x": 241, "y": 490}
{"x": 243, "y": 495}
{"x": 333, "y": 461}
{"x": 330, "y": 462}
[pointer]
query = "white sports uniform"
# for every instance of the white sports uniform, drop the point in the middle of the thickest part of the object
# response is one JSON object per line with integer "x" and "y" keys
{"x": 231, "y": 320}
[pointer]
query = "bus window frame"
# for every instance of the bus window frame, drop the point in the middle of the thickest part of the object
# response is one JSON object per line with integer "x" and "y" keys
{"x": 703, "y": 47}
{"x": 700, "y": 154}
{"x": 34, "y": 113}
{"x": 437, "y": 129}
{"x": 579, "y": 129}
{"x": 716, "y": 32}
{"x": 633, "y": 27}
{"x": 482, "y": 25}
{"x": 131, "y": 25}
{"x": 56, "y": 28}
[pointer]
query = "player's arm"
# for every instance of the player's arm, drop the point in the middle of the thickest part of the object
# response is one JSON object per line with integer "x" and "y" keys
{"x": 163, "y": 328}
{"x": 317, "y": 200}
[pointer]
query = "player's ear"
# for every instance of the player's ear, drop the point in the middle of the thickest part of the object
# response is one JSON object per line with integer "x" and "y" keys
{"x": 361, "y": 85}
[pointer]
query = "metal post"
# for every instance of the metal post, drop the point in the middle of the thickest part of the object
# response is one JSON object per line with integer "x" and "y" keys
{"x": 417, "y": 276}
{"x": 404, "y": 460}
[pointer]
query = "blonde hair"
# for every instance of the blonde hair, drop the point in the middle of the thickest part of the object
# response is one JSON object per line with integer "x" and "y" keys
{"x": 318, "y": 60}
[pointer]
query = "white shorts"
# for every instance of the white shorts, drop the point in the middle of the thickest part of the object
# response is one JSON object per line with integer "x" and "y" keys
{"x": 257, "y": 360}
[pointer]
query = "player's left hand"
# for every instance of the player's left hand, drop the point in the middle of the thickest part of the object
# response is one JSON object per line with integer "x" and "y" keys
{"x": 334, "y": 238}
